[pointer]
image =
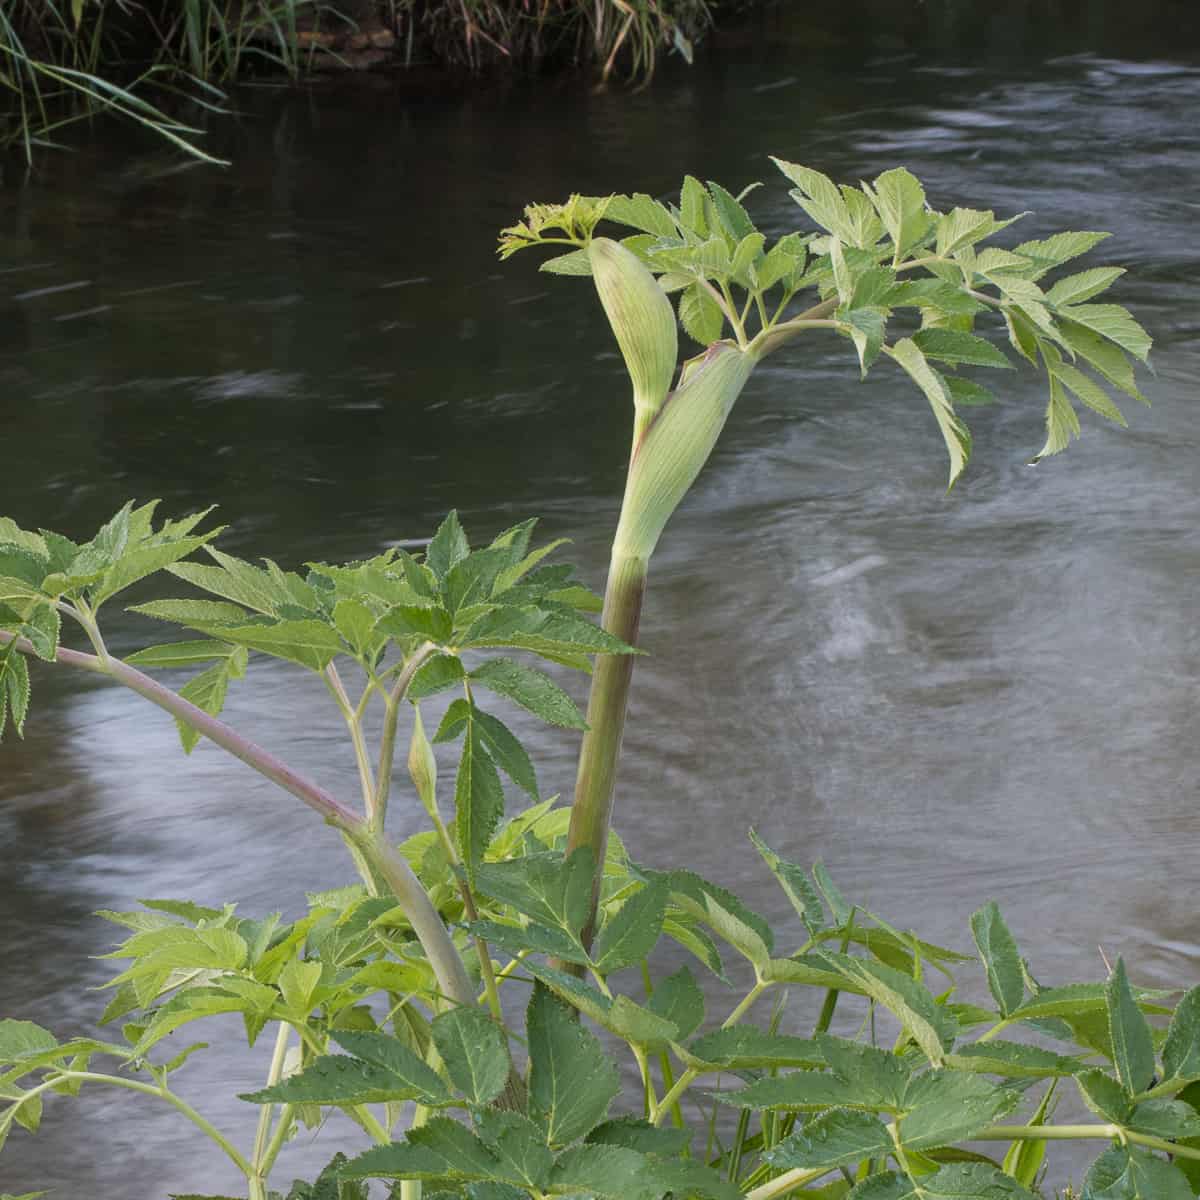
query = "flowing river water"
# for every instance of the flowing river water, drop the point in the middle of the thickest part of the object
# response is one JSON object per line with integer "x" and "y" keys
{"x": 991, "y": 694}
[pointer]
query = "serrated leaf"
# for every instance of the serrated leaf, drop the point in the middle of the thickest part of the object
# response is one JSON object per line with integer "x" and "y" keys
{"x": 631, "y": 933}
{"x": 448, "y": 546}
{"x": 641, "y": 212}
{"x": 744, "y": 1048}
{"x": 14, "y": 688}
{"x": 797, "y": 1091}
{"x": 700, "y": 314}
{"x": 576, "y": 262}
{"x": 439, "y": 1150}
{"x": 394, "y": 1056}
{"x": 833, "y": 1139}
{"x": 311, "y": 644}
{"x": 899, "y": 199}
{"x": 953, "y": 346}
{"x": 1113, "y": 322}
{"x": 820, "y": 198}
{"x": 1133, "y": 1047}
{"x": 1181, "y": 1050}
{"x": 1130, "y": 1173}
{"x": 507, "y": 752}
{"x": 732, "y": 216}
{"x": 475, "y": 1052}
{"x": 929, "y": 1025}
{"x": 1104, "y": 1096}
{"x": 572, "y": 1080}
{"x": 207, "y": 692}
{"x": 962, "y": 227}
{"x": 967, "y": 391}
{"x": 554, "y": 632}
{"x": 882, "y": 1079}
{"x": 1108, "y": 360}
{"x": 1000, "y": 956}
{"x": 678, "y": 999}
{"x": 172, "y": 655}
{"x": 22, "y": 1039}
{"x": 956, "y": 1181}
{"x": 954, "y": 433}
{"x": 478, "y": 800}
{"x": 1062, "y": 422}
{"x": 1058, "y": 249}
{"x": 42, "y": 626}
{"x": 796, "y": 886}
{"x": 1074, "y": 289}
{"x": 438, "y": 673}
{"x": 199, "y": 614}
{"x": 533, "y": 690}
{"x": 1015, "y": 1060}
{"x": 1170, "y": 1119}
{"x": 948, "y": 1106}
{"x": 636, "y": 1134}
{"x": 545, "y": 886}
{"x": 1088, "y": 391}
{"x": 341, "y": 1080}
{"x": 540, "y": 939}
{"x": 866, "y": 327}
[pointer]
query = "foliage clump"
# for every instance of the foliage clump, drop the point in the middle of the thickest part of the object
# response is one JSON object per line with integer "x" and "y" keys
{"x": 846, "y": 1063}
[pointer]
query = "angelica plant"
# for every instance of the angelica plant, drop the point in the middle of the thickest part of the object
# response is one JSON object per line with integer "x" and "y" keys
{"x": 387, "y": 998}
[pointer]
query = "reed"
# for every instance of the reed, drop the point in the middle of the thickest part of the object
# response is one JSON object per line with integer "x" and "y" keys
{"x": 62, "y": 61}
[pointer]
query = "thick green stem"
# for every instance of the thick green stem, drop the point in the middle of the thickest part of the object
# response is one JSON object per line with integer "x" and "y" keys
{"x": 607, "y": 704}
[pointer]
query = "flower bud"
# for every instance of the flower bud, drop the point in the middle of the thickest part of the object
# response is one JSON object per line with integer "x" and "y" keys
{"x": 422, "y": 766}
{"x": 677, "y": 443}
{"x": 642, "y": 318}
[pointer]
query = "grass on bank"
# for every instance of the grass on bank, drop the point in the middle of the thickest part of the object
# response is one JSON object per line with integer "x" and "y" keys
{"x": 63, "y": 61}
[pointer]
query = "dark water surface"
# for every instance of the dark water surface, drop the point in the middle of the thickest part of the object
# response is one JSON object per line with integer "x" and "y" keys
{"x": 949, "y": 699}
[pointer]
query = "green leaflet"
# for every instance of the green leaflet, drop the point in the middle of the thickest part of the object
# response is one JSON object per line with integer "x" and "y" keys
{"x": 957, "y": 1181}
{"x": 678, "y": 999}
{"x": 899, "y": 199}
{"x": 440, "y": 1150}
{"x": 544, "y": 886}
{"x": 475, "y": 1052}
{"x": 14, "y": 688}
{"x": 1113, "y": 322}
{"x": 955, "y": 347}
{"x": 531, "y": 689}
{"x": 207, "y": 690}
{"x": 1012, "y": 1059}
{"x": 881, "y": 1079}
{"x": 944, "y": 1107}
{"x": 631, "y": 933}
{"x": 1001, "y": 958}
{"x": 1181, "y": 1050}
{"x": 340, "y": 1080}
{"x": 1134, "y": 1174}
{"x": 478, "y": 799}
{"x": 796, "y": 886}
{"x": 1133, "y": 1047}
{"x": 743, "y": 1047}
{"x": 700, "y": 314}
{"x": 572, "y": 1080}
{"x": 447, "y": 547}
{"x": 929, "y": 1025}
{"x": 833, "y": 1139}
{"x": 954, "y": 433}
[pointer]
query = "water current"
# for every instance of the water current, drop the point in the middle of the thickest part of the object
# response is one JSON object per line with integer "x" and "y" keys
{"x": 991, "y": 694}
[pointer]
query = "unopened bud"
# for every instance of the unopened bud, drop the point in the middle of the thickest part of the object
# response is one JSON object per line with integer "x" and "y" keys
{"x": 642, "y": 319}
{"x": 677, "y": 444}
{"x": 422, "y": 766}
